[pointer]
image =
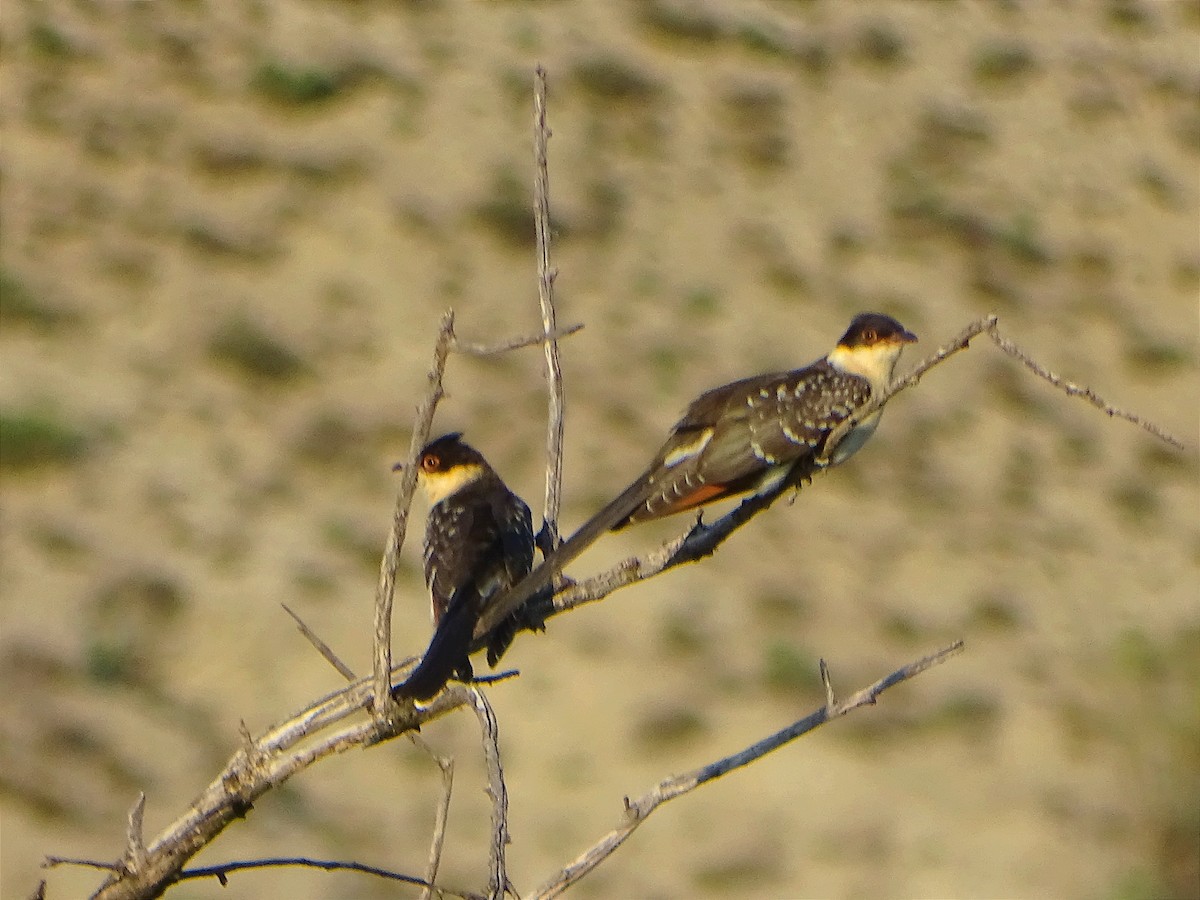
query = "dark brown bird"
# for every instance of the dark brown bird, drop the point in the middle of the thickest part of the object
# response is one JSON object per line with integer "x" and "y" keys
{"x": 749, "y": 436}
{"x": 479, "y": 542}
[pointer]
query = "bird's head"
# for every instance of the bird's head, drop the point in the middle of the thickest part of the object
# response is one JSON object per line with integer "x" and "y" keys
{"x": 870, "y": 348}
{"x": 447, "y": 465}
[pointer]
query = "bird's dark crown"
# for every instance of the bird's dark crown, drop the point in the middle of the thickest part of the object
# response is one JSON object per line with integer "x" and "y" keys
{"x": 446, "y": 453}
{"x": 871, "y": 328}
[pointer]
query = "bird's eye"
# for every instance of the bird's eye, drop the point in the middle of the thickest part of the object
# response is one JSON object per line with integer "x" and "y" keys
{"x": 870, "y": 336}
{"x": 430, "y": 462}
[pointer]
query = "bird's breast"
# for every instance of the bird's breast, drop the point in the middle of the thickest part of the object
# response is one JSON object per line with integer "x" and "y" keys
{"x": 853, "y": 442}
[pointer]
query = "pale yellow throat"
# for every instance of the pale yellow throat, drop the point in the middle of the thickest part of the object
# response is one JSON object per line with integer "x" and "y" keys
{"x": 440, "y": 485}
{"x": 874, "y": 363}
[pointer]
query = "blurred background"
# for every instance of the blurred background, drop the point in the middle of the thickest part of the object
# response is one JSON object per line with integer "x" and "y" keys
{"x": 229, "y": 231}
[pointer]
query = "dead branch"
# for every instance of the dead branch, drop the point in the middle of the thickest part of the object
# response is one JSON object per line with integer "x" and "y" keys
{"x": 408, "y": 484}
{"x": 268, "y": 761}
{"x": 446, "y": 765}
{"x": 1071, "y": 389}
{"x": 222, "y": 871}
{"x": 529, "y": 340}
{"x": 638, "y": 810}
{"x": 135, "y": 843}
{"x": 490, "y": 734}
{"x": 323, "y": 648}
{"x": 546, "y": 276}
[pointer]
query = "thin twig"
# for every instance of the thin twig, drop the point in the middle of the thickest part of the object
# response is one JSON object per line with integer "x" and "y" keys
{"x": 496, "y": 789}
{"x": 529, "y": 340}
{"x": 546, "y": 275}
{"x": 49, "y": 862}
{"x": 699, "y": 541}
{"x": 408, "y": 484}
{"x": 322, "y": 647}
{"x": 221, "y": 872}
{"x": 637, "y": 811}
{"x": 1071, "y": 389}
{"x": 135, "y": 843}
{"x": 445, "y": 764}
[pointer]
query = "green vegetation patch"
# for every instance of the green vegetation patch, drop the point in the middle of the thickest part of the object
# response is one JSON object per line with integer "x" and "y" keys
{"x": 294, "y": 86}
{"x": 249, "y": 348}
{"x": 612, "y": 79}
{"x": 19, "y": 305}
{"x": 32, "y": 440}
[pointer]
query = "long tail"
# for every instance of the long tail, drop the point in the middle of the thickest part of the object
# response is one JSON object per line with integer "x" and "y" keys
{"x": 610, "y": 516}
{"x": 448, "y": 648}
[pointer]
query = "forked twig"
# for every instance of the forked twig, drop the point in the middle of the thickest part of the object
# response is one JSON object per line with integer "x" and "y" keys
{"x": 637, "y": 811}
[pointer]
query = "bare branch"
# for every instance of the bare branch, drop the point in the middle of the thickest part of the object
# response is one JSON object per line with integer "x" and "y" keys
{"x": 699, "y": 541}
{"x": 221, "y": 872}
{"x": 516, "y": 343}
{"x": 446, "y": 765}
{"x": 135, "y": 843}
{"x": 408, "y": 484}
{"x": 497, "y": 790}
{"x": 546, "y": 275}
{"x": 49, "y": 862}
{"x": 830, "y": 700}
{"x": 322, "y": 647}
{"x": 271, "y": 759}
{"x": 637, "y": 811}
{"x": 1071, "y": 389}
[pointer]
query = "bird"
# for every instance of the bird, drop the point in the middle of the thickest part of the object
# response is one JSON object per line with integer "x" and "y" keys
{"x": 479, "y": 540}
{"x": 749, "y": 437}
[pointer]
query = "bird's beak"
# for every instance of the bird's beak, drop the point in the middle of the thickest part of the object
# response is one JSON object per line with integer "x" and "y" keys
{"x": 907, "y": 337}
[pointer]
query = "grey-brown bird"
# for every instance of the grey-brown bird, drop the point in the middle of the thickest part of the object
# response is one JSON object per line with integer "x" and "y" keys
{"x": 749, "y": 436}
{"x": 479, "y": 541}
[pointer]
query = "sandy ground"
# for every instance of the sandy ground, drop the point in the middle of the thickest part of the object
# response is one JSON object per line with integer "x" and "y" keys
{"x": 229, "y": 233}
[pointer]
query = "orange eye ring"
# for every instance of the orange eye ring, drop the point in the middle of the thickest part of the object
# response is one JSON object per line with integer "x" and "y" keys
{"x": 430, "y": 462}
{"x": 870, "y": 336}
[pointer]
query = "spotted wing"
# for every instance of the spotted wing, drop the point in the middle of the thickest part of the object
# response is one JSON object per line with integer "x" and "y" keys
{"x": 450, "y": 555}
{"x": 734, "y": 438}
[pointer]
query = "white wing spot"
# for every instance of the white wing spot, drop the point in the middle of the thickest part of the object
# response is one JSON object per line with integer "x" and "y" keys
{"x": 762, "y": 454}
{"x": 688, "y": 451}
